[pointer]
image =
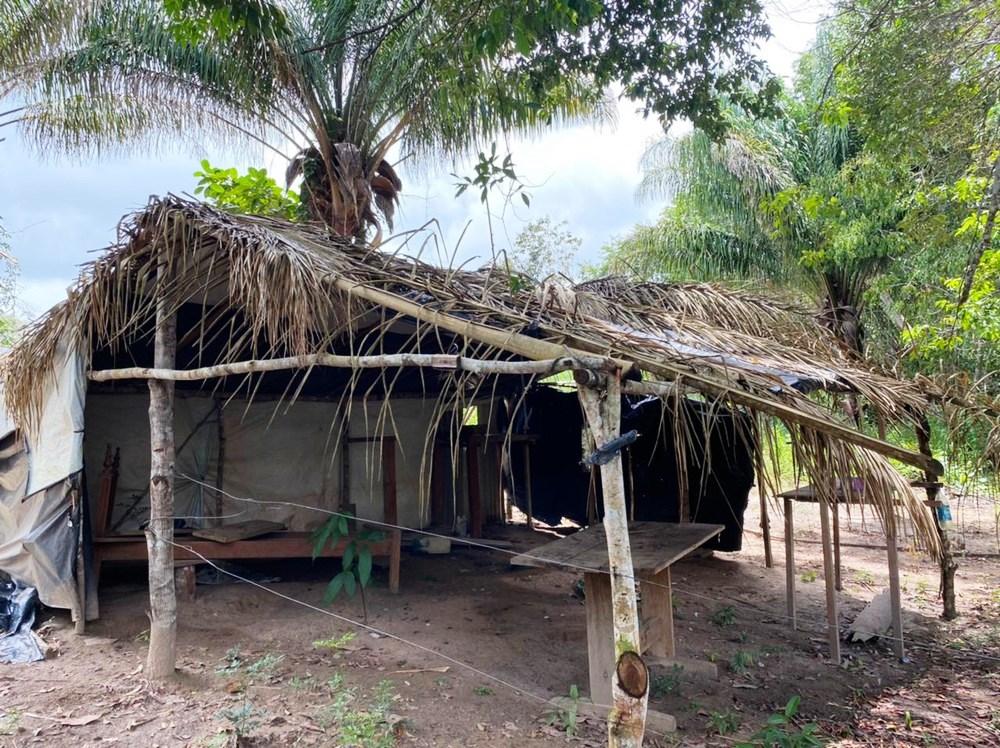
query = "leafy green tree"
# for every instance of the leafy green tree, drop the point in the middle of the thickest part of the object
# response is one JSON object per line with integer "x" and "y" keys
{"x": 253, "y": 193}
{"x": 343, "y": 83}
{"x": 542, "y": 248}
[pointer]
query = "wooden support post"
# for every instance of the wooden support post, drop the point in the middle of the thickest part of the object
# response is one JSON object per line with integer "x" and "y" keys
{"x": 790, "y": 561}
{"x": 630, "y": 682}
{"x": 838, "y": 583}
{"x": 440, "y": 469}
{"x": 832, "y": 627}
{"x": 527, "y": 484}
{"x": 475, "y": 494}
{"x": 600, "y": 636}
{"x": 657, "y": 616}
{"x": 390, "y": 512}
{"x": 948, "y": 563}
{"x": 765, "y": 528}
{"x": 160, "y": 532}
{"x": 220, "y": 471}
{"x": 895, "y": 598}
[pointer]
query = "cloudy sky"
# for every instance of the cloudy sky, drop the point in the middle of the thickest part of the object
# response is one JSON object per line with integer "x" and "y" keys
{"x": 59, "y": 211}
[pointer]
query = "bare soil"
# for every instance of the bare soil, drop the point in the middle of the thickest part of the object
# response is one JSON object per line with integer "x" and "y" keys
{"x": 524, "y": 627}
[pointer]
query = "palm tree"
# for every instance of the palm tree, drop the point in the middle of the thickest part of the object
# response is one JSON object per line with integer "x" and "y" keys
{"x": 339, "y": 82}
{"x": 738, "y": 207}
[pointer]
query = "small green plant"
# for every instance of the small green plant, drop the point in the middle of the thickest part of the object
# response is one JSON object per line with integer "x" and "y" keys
{"x": 724, "y": 723}
{"x": 336, "y": 642}
{"x": 780, "y": 731}
{"x": 809, "y": 575}
{"x": 356, "y": 563}
{"x": 10, "y": 722}
{"x": 724, "y": 616}
{"x": 566, "y": 718}
{"x": 482, "y": 691}
{"x": 864, "y": 577}
{"x": 743, "y": 660}
{"x": 263, "y": 667}
{"x": 231, "y": 663}
{"x": 368, "y": 727}
{"x": 742, "y": 637}
{"x": 922, "y": 588}
{"x": 244, "y": 718}
{"x": 300, "y": 683}
{"x": 666, "y": 683}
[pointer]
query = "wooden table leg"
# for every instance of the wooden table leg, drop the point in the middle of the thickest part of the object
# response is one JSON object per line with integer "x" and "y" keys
{"x": 833, "y": 631}
{"x": 894, "y": 594}
{"x": 790, "y": 562}
{"x": 600, "y": 636}
{"x": 836, "y": 547}
{"x": 656, "y": 616}
{"x": 395, "y": 552}
{"x": 527, "y": 484}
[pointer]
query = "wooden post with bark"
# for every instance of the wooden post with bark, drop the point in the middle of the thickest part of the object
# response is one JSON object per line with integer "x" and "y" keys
{"x": 630, "y": 681}
{"x": 160, "y": 532}
{"x": 948, "y": 563}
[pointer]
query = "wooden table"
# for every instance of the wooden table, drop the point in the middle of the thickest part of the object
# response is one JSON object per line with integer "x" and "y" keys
{"x": 831, "y": 561}
{"x": 655, "y": 547}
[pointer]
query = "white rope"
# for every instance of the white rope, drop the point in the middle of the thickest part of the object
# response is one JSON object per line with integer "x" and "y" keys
{"x": 818, "y": 626}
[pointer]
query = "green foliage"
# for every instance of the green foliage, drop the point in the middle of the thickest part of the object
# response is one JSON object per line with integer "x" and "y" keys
{"x": 743, "y": 660}
{"x": 482, "y": 691}
{"x": 666, "y": 684}
{"x": 724, "y": 616}
{"x": 567, "y": 718}
{"x": 724, "y": 723}
{"x": 244, "y": 718}
{"x": 356, "y": 563}
{"x": 253, "y": 193}
{"x": 782, "y": 732}
{"x": 336, "y": 642}
{"x": 489, "y": 173}
{"x": 358, "y": 724}
{"x": 543, "y": 248}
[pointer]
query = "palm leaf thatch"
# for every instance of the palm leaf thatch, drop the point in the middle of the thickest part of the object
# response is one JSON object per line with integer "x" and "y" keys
{"x": 269, "y": 288}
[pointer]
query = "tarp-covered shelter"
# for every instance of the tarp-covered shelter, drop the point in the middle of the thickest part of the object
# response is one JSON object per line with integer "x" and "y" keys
{"x": 322, "y": 347}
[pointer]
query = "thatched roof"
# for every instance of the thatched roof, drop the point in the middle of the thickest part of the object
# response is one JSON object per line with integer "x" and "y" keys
{"x": 300, "y": 292}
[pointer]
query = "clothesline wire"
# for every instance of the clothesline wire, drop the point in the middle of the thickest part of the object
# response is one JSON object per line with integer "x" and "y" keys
{"x": 818, "y": 626}
{"x": 380, "y": 632}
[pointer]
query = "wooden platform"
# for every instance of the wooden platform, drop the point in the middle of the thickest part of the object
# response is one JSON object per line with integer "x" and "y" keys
{"x": 275, "y": 545}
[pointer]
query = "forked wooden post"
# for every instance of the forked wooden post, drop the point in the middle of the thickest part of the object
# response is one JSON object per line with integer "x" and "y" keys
{"x": 630, "y": 681}
{"x": 160, "y": 532}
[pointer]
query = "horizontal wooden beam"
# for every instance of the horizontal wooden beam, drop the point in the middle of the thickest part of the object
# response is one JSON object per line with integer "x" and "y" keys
{"x": 392, "y": 360}
{"x": 788, "y": 414}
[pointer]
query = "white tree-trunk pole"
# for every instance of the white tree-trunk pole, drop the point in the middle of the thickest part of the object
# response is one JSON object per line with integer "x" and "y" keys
{"x": 630, "y": 681}
{"x": 160, "y": 533}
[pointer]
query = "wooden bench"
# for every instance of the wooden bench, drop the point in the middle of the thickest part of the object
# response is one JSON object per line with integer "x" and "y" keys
{"x": 275, "y": 545}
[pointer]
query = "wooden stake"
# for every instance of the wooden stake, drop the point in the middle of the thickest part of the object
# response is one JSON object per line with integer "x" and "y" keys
{"x": 629, "y": 684}
{"x": 765, "y": 528}
{"x": 160, "y": 532}
{"x": 832, "y": 628}
{"x": 948, "y": 563}
{"x": 790, "y": 561}
{"x": 895, "y": 598}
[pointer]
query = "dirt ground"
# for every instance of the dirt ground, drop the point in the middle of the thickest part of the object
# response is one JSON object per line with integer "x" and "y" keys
{"x": 248, "y": 659}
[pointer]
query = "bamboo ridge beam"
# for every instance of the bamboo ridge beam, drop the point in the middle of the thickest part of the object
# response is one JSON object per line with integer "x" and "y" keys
{"x": 790, "y": 414}
{"x": 392, "y": 360}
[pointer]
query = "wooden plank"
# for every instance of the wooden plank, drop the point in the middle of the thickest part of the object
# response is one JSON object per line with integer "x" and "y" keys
{"x": 657, "y": 616}
{"x": 390, "y": 510}
{"x": 654, "y": 547}
{"x": 475, "y": 494}
{"x": 838, "y": 583}
{"x": 895, "y": 599}
{"x": 239, "y": 531}
{"x": 790, "y": 561}
{"x": 765, "y": 528}
{"x": 832, "y": 628}
{"x": 600, "y": 635}
{"x": 527, "y": 483}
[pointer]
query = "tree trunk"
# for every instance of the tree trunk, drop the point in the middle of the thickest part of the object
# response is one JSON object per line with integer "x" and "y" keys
{"x": 948, "y": 563}
{"x": 160, "y": 533}
{"x": 630, "y": 682}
